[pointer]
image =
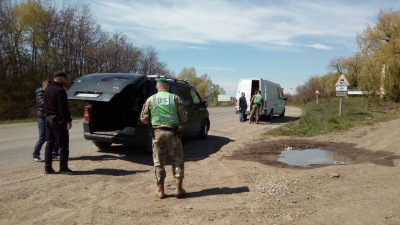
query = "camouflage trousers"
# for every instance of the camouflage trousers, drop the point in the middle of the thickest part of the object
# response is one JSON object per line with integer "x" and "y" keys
{"x": 167, "y": 145}
{"x": 255, "y": 109}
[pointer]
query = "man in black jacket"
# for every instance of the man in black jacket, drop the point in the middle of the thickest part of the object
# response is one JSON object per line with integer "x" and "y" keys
{"x": 58, "y": 122}
{"x": 242, "y": 107}
{"x": 41, "y": 114}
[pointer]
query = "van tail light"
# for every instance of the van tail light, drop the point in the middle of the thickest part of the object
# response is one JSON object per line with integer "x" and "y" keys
{"x": 236, "y": 102}
{"x": 139, "y": 122}
{"x": 86, "y": 113}
{"x": 265, "y": 104}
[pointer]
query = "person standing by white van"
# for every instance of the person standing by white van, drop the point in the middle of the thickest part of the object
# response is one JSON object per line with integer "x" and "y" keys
{"x": 242, "y": 107}
{"x": 256, "y": 102}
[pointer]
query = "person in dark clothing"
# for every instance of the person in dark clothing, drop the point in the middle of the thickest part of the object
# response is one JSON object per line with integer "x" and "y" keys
{"x": 58, "y": 122}
{"x": 41, "y": 114}
{"x": 242, "y": 107}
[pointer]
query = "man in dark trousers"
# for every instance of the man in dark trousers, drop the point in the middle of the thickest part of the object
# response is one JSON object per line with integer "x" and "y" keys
{"x": 242, "y": 107}
{"x": 58, "y": 122}
{"x": 41, "y": 114}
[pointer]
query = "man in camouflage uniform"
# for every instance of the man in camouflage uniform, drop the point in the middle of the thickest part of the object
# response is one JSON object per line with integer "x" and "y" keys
{"x": 256, "y": 103}
{"x": 165, "y": 112}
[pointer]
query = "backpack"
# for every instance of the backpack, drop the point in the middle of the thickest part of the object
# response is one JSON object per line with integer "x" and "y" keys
{"x": 257, "y": 99}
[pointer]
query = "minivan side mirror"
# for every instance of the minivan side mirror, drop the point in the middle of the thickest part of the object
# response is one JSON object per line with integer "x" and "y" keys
{"x": 205, "y": 103}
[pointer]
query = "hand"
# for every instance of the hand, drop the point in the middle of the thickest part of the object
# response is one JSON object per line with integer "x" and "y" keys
{"x": 69, "y": 125}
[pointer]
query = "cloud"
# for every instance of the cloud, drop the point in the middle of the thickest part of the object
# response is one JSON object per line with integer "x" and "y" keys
{"x": 276, "y": 23}
{"x": 320, "y": 46}
{"x": 195, "y": 47}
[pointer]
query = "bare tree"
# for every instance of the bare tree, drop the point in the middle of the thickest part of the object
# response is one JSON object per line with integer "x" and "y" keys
{"x": 39, "y": 37}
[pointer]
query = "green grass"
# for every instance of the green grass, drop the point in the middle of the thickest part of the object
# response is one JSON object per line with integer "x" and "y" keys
{"x": 324, "y": 117}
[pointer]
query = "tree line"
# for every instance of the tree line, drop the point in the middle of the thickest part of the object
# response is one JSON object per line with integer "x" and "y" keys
{"x": 206, "y": 88}
{"x": 43, "y": 36}
{"x": 374, "y": 68}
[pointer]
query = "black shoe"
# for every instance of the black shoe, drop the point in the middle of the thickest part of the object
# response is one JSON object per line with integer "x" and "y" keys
{"x": 49, "y": 170}
{"x": 67, "y": 171}
{"x": 56, "y": 157}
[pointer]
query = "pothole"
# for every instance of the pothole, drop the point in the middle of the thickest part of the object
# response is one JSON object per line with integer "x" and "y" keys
{"x": 311, "y": 154}
{"x": 309, "y": 157}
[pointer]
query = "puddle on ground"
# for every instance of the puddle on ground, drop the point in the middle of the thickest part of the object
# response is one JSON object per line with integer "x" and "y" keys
{"x": 311, "y": 154}
{"x": 309, "y": 157}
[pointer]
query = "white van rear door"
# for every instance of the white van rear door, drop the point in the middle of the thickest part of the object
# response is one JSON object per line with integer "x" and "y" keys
{"x": 245, "y": 86}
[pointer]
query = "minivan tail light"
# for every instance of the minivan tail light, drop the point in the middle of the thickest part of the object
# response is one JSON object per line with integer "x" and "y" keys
{"x": 236, "y": 102}
{"x": 265, "y": 103}
{"x": 86, "y": 113}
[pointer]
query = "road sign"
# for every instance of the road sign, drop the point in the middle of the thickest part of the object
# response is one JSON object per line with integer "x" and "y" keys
{"x": 316, "y": 92}
{"x": 224, "y": 98}
{"x": 341, "y": 88}
{"x": 342, "y": 81}
{"x": 341, "y": 94}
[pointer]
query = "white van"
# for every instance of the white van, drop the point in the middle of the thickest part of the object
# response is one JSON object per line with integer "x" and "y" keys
{"x": 274, "y": 100}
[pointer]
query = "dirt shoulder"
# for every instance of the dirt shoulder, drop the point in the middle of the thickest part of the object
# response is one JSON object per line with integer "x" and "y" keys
{"x": 226, "y": 178}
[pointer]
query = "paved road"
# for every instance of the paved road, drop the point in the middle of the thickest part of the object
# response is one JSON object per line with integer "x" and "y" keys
{"x": 17, "y": 140}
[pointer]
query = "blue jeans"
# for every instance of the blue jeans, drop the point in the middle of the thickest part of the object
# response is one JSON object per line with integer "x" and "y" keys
{"x": 42, "y": 138}
{"x": 243, "y": 116}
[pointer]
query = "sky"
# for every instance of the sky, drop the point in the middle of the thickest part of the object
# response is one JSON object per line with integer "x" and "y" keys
{"x": 283, "y": 41}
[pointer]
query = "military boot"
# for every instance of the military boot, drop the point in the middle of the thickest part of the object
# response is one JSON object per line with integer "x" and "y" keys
{"x": 256, "y": 121}
{"x": 160, "y": 190}
{"x": 179, "y": 190}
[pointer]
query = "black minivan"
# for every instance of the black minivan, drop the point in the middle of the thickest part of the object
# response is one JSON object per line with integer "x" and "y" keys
{"x": 114, "y": 103}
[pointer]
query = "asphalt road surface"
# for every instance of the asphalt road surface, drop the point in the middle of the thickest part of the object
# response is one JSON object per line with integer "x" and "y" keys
{"x": 18, "y": 140}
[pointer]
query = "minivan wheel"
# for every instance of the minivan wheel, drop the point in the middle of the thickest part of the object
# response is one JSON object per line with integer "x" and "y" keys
{"x": 102, "y": 145}
{"x": 204, "y": 130}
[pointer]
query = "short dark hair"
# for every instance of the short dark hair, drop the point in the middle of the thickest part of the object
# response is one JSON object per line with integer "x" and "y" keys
{"x": 59, "y": 74}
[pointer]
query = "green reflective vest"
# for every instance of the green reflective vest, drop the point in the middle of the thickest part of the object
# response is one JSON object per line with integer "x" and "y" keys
{"x": 163, "y": 109}
{"x": 257, "y": 99}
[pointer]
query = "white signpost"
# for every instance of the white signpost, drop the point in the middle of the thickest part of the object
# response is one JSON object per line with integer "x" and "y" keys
{"x": 224, "y": 98}
{"x": 341, "y": 90}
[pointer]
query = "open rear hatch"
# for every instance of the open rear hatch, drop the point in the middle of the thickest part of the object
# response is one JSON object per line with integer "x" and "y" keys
{"x": 114, "y": 100}
{"x": 103, "y": 87}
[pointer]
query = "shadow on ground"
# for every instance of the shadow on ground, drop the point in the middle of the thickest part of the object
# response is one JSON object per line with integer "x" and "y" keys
{"x": 194, "y": 149}
{"x": 215, "y": 191}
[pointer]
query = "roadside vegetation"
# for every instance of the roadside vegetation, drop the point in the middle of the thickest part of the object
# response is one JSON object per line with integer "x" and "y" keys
{"x": 374, "y": 71}
{"x": 40, "y": 37}
{"x": 374, "y": 68}
{"x": 324, "y": 117}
